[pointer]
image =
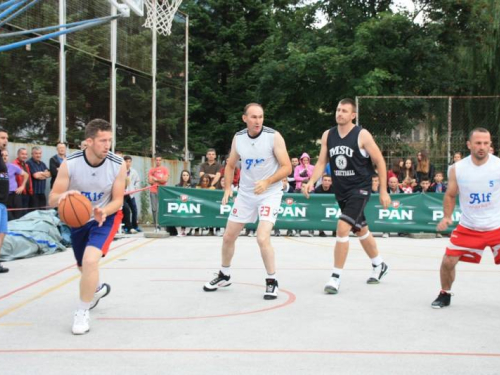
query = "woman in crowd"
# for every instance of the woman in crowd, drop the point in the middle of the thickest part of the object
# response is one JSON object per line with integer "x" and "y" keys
{"x": 407, "y": 171}
{"x": 184, "y": 182}
{"x": 424, "y": 166}
{"x": 303, "y": 172}
{"x": 397, "y": 167}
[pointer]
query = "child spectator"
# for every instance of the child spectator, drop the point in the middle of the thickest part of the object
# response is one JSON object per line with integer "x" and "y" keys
{"x": 438, "y": 186}
{"x": 406, "y": 186}
{"x": 424, "y": 185}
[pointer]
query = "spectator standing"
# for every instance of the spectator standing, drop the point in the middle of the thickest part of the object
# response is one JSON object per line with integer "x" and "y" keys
{"x": 4, "y": 193}
{"x": 211, "y": 167}
{"x": 184, "y": 182}
{"x": 56, "y": 161}
{"x": 39, "y": 175}
{"x": 408, "y": 171}
{"x": 15, "y": 190}
{"x": 457, "y": 156}
{"x": 157, "y": 176}
{"x": 325, "y": 188}
{"x": 303, "y": 172}
{"x": 291, "y": 176}
{"x": 21, "y": 162}
{"x": 133, "y": 183}
{"x": 438, "y": 186}
{"x": 424, "y": 166}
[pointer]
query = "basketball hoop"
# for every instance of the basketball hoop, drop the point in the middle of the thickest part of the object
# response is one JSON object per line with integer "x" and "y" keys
{"x": 161, "y": 13}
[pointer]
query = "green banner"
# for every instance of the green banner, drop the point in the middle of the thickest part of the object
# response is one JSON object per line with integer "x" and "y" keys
{"x": 202, "y": 208}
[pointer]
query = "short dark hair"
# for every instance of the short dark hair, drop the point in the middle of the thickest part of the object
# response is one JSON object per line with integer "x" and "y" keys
{"x": 211, "y": 150}
{"x": 425, "y": 178}
{"x": 158, "y": 156}
{"x": 327, "y": 175}
{"x": 61, "y": 143}
{"x": 477, "y": 130}
{"x": 127, "y": 157}
{"x": 349, "y": 101}
{"x": 252, "y": 105}
{"x": 2, "y": 130}
{"x": 96, "y": 125}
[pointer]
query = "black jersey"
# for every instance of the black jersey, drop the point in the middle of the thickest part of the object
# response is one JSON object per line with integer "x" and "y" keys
{"x": 4, "y": 182}
{"x": 351, "y": 170}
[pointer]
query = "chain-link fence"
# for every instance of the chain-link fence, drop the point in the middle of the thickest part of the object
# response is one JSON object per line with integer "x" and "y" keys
{"x": 29, "y": 80}
{"x": 405, "y": 125}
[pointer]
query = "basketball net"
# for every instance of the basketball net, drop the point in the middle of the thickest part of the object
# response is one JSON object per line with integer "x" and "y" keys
{"x": 161, "y": 13}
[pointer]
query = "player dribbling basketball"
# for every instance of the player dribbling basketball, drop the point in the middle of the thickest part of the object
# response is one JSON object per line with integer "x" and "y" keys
{"x": 100, "y": 176}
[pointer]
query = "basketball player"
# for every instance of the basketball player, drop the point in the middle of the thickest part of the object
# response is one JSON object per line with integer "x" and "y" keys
{"x": 351, "y": 150}
{"x": 100, "y": 175}
{"x": 476, "y": 181}
{"x": 264, "y": 163}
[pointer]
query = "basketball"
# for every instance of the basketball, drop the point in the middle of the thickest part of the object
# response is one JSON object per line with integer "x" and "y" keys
{"x": 75, "y": 210}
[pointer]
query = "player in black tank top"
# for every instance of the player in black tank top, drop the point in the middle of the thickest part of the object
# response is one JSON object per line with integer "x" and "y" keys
{"x": 351, "y": 150}
{"x": 351, "y": 170}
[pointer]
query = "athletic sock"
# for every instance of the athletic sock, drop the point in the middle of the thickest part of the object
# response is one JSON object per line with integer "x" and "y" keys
{"x": 337, "y": 271}
{"x": 83, "y": 305}
{"x": 226, "y": 271}
{"x": 271, "y": 276}
{"x": 377, "y": 261}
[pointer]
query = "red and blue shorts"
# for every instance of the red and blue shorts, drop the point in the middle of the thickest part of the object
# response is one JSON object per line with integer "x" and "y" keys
{"x": 469, "y": 244}
{"x": 91, "y": 234}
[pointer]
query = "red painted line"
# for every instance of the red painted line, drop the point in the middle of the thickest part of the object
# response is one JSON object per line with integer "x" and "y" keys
{"x": 291, "y": 299}
{"x": 249, "y": 351}
{"x": 51, "y": 275}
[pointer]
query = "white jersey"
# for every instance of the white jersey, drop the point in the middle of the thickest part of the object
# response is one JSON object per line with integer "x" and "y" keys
{"x": 95, "y": 182}
{"x": 479, "y": 193}
{"x": 258, "y": 161}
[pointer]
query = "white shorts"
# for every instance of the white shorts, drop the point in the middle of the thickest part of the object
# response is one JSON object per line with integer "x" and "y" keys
{"x": 246, "y": 209}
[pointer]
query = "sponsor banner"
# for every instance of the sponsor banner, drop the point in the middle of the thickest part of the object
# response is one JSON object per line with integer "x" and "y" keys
{"x": 203, "y": 208}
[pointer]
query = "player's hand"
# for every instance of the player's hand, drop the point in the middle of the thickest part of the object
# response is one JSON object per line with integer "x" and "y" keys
{"x": 385, "y": 199}
{"x": 227, "y": 194}
{"x": 64, "y": 195}
{"x": 443, "y": 224}
{"x": 100, "y": 215}
{"x": 261, "y": 186}
{"x": 306, "y": 188}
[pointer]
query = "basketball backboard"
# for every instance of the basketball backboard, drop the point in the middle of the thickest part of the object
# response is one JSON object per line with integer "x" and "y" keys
{"x": 137, "y": 6}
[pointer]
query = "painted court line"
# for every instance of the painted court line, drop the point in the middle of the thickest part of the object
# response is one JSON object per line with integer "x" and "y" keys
{"x": 251, "y": 351}
{"x": 67, "y": 281}
{"x": 291, "y": 299}
{"x": 52, "y": 275}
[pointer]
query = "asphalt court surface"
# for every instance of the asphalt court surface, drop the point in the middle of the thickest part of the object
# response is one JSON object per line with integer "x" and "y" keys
{"x": 158, "y": 320}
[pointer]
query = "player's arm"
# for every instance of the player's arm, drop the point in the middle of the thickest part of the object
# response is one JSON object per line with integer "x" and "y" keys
{"x": 320, "y": 166}
{"x": 283, "y": 171}
{"x": 60, "y": 188}
{"x": 367, "y": 142}
{"x": 229, "y": 171}
{"x": 116, "y": 203}
{"x": 449, "y": 200}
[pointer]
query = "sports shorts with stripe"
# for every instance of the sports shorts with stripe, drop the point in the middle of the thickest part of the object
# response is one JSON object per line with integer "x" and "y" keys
{"x": 91, "y": 234}
{"x": 353, "y": 209}
{"x": 247, "y": 209}
{"x": 469, "y": 244}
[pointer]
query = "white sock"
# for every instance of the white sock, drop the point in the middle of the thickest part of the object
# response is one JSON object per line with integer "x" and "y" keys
{"x": 83, "y": 305}
{"x": 271, "y": 276}
{"x": 226, "y": 271}
{"x": 377, "y": 261}
{"x": 337, "y": 271}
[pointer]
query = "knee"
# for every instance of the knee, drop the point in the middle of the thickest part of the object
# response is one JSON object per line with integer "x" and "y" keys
{"x": 449, "y": 263}
{"x": 229, "y": 238}
{"x": 263, "y": 240}
{"x": 89, "y": 264}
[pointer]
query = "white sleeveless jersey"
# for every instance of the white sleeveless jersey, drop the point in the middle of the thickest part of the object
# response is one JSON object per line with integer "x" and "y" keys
{"x": 94, "y": 182}
{"x": 479, "y": 193}
{"x": 258, "y": 161}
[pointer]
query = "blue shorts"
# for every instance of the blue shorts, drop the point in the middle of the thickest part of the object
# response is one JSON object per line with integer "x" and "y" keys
{"x": 91, "y": 234}
{"x": 3, "y": 218}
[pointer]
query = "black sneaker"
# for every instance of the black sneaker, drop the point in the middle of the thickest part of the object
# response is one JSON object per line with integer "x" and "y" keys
{"x": 3, "y": 269}
{"x": 322, "y": 234}
{"x": 442, "y": 300}
{"x": 220, "y": 280}
{"x": 271, "y": 289}
{"x": 377, "y": 273}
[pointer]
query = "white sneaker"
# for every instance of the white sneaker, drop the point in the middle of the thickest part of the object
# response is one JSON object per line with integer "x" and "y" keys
{"x": 81, "y": 322}
{"x": 385, "y": 235}
{"x": 133, "y": 231}
{"x": 377, "y": 273}
{"x": 102, "y": 292}
{"x": 220, "y": 233}
{"x": 333, "y": 285}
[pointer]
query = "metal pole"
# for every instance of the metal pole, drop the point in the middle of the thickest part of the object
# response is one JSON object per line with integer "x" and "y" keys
{"x": 449, "y": 129}
{"x": 153, "y": 72}
{"x": 357, "y": 111}
{"x": 186, "y": 99}
{"x": 62, "y": 73}
{"x": 112, "y": 104}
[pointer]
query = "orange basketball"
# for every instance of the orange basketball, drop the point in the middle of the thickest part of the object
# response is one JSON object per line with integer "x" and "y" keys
{"x": 75, "y": 210}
